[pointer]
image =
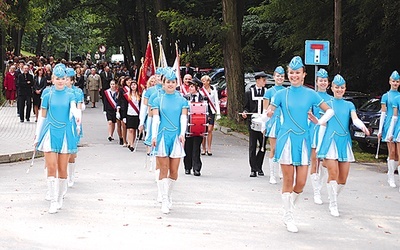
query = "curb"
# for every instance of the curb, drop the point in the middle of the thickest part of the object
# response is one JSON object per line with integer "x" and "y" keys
{"x": 21, "y": 156}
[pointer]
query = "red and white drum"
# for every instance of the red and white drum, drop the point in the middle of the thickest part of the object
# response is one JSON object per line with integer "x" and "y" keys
{"x": 197, "y": 122}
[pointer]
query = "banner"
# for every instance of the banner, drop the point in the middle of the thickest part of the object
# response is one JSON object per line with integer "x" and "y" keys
{"x": 148, "y": 67}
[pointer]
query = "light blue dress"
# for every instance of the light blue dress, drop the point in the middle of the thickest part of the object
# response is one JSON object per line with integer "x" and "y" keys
{"x": 336, "y": 143}
{"x": 388, "y": 99}
{"x": 293, "y": 145}
{"x": 79, "y": 98}
{"x": 274, "y": 124}
{"x": 170, "y": 108}
{"x": 396, "y": 130}
{"x": 317, "y": 112}
{"x": 157, "y": 92}
{"x": 57, "y": 134}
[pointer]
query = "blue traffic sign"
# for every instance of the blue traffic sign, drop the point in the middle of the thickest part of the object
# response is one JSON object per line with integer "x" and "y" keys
{"x": 317, "y": 52}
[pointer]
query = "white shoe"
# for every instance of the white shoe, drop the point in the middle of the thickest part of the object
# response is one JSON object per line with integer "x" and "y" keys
{"x": 332, "y": 187}
{"x": 316, "y": 184}
{"x": 390, "y": 173}
{"x": 63, "y": 186}
{"x": 318, "y": 200}
{"x": 392, "y": 183}
{"x": 272, "y": 180}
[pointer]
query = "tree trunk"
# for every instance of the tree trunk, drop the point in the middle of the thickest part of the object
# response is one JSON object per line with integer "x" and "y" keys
{"x": 338, "y": 37}
{"x": 232, "y": 12}
{"x": 40, "y": 37}
{"x": 142, "y": 34}
{"x": 162, "y": 29}
{"x": 2, "y": 49}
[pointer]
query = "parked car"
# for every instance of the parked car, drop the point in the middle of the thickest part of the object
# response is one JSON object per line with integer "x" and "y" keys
{"x": 369, "y": 113}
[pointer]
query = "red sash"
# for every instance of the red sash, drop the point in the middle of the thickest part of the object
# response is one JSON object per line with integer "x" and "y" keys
{"x": 111, "y": 100}
{"x": 205, "y": 92}
{"x": 183, "y": 89}
{"x": 133, "y": 105}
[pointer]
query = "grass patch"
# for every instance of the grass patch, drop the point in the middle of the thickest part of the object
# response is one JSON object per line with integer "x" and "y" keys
{"x": 240, "y": 127}
{"x": 362, "y": 156}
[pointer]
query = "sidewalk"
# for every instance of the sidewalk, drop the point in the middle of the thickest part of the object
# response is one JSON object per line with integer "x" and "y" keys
{"x": 16, "y": 137}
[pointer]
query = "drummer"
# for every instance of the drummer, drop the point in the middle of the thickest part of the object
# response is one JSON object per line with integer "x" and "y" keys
{"x": 254, "y": 105}
{"x": 192, "y": 143}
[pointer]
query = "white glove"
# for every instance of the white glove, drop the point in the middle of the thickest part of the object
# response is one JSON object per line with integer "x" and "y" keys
{"x": 325, "y": 118}
{"x": 124, "y": 120}
{"x": 183, "y": 121}
{"x": 218, "y": 117}
{"x": 381, "y": 122}
{"x": 83, "y": 107}
{"x": 118, "y": 115}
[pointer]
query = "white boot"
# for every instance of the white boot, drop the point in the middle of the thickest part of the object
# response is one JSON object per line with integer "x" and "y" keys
{"x": 316, "y": 184}
{"x": 63, "y": 186}
{"x": 340, "y": 188}
{"x": 53, "y": 191}
{"x": 288, "y": 213}
{"x": 49, "y": 187}
{"x": 164, "y": 192}
{"x": 332, "y": 188}
{"x": 71, "y": 174}
{"x": 390, "y": 173}
{"x": 171, "y": 186}
{"x": 272, "y": 178}
{"x": 157, "y": 174}
{"x": 159, "y": 192}
{"x": 295, "y": 198}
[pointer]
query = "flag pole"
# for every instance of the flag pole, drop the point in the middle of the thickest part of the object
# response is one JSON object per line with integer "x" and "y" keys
{"x": 152, "y": 52}
{"x": 179, "y": 64}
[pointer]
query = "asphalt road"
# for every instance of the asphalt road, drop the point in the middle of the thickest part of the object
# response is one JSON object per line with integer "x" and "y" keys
{"x": 113, "y": 205}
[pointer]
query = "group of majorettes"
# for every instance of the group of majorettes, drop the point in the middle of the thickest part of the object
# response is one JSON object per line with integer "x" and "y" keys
{"x": 295, "y": 143}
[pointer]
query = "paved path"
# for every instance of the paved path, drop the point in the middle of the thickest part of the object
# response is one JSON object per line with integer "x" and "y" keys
{"x": 113, "y": 206}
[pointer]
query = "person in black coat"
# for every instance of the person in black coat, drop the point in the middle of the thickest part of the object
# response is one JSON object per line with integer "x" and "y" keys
{"x": 122, "y": 108}
{"x": 39, "y": 84}
{"x": 24, "y": 86}
{"x": 192, "y": 159}
{"x": 254, "y": 104}
{"x": 106, "y": 77}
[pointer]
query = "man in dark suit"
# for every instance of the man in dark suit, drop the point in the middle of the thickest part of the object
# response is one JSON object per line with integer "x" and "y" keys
{"x": 253, "y": 104}
{"x": 106, "y": 77}
{"x": 24, "y": 86}
{"x": 187, "y": 70}
{"x": 192, "y": 143}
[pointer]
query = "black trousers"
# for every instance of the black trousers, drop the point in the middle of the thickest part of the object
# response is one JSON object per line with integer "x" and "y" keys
{"x": 24, "y": 100}
{"x": 256, "y": 156}
{"x": 192, "y": 151}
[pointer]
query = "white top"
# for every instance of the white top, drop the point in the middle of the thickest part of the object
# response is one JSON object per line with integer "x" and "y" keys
{"x": 131, "y": 111}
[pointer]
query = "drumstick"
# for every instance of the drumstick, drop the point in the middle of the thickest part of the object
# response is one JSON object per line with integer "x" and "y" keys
{"x": 377, "y": 149}
{"x": 137, "y": 141}
{"x": 33, "y": 158}
{"x": 263, "y": 143}
{"x": 248, "y": 113}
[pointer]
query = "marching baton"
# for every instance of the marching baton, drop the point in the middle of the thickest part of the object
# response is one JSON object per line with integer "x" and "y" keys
{"x": 137, "y": 141}
{"x": 377, "y": 149}
{"x": 248, "y": 113}
{"x": 263, "y": 141}
{"x": 33, "y": 158}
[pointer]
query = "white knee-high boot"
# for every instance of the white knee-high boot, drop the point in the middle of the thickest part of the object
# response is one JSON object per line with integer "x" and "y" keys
{"x": 390, "y": 173}
{"x": 272, "y": 165}
{"x": 316, "y": 184}
{"x": 288, "y": 213}
{"x": 332, "y": 188}
{"x": 63, "y": 186}
{"x": 170, "y": 188}
{"x": 71, "y": 174}
{"x": 53, "y": 194}
{"x": 340, "y": 188}
{"x": 164, "y": 192}
{"x": 295, "y": 198}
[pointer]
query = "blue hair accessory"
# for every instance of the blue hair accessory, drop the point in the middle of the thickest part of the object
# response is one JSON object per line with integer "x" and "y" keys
{"x": 59, "y": 70}
{"x": 70, "y": 72}
{"x": 160, "y": 71}
{"x": 395, "y": 75}
{"x": 296, "y": 63}
{"x": 322, "y": 73}
{"x": 339, "y": 80}
{"x": 280, "y": 70}
{"x": 169, "y": 74}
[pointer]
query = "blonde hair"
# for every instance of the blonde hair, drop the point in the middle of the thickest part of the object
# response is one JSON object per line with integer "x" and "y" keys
{"x": 206, "y": 77}
{"x": 151, "y": 78}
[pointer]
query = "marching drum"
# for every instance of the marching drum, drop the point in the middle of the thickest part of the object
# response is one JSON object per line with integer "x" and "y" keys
{"x": 197, "y": 125}
{"x": 256, "y": 122}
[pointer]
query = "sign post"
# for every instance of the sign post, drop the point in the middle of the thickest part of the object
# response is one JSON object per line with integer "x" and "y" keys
{"x": 316, "y": 53}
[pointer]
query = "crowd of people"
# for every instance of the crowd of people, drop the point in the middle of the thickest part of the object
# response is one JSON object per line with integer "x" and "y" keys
{"x": 177, "y": 122}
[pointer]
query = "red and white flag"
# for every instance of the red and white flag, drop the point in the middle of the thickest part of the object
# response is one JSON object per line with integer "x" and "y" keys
{"x": 148, "y": 67}
{"x": 177, "y": 69}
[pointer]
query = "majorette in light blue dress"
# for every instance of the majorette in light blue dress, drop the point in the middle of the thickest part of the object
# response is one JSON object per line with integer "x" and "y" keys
{"x": 57, "y": 133}
{"x": 150, "y": 94}
{"x": 79, "y": 98}
{"x": 388, "y": 99}
{"x": 274, "y": 124}
{"x": 293, "y": 145}
{"x": 336, "y": 143}
{"x": 317, "y": 112}
{"x": 170, "y": 108}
